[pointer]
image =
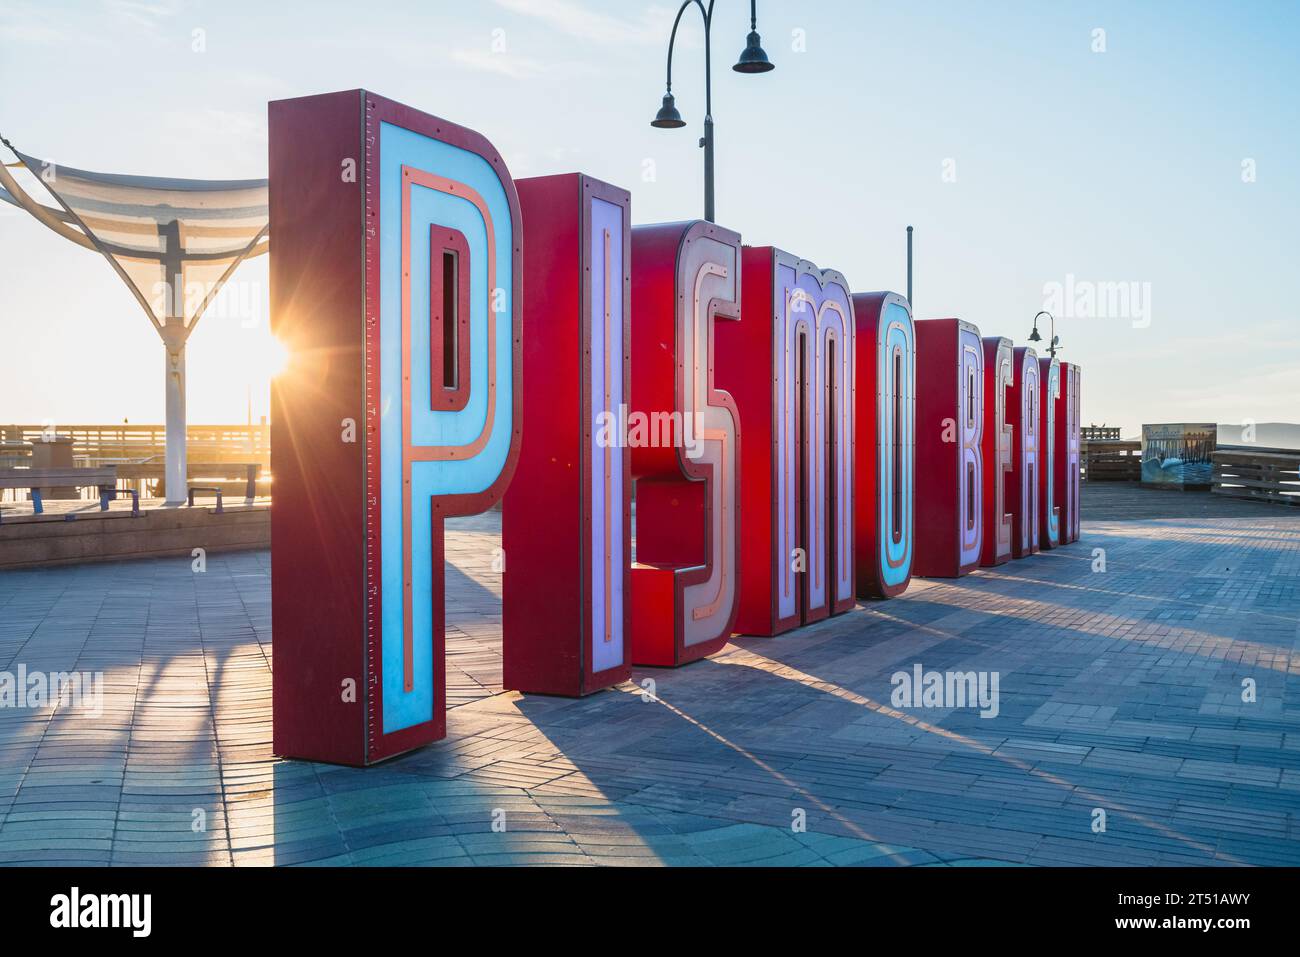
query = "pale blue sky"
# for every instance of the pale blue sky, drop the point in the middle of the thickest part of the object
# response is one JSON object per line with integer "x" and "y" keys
{"x": 1112, "y": 167}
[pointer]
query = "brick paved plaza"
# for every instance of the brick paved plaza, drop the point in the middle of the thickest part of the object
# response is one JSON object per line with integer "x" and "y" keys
{"x": 1120, "y": 690}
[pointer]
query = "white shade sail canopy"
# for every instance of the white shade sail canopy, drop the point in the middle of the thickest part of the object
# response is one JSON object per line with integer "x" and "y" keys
{"x": 173, "y": 241}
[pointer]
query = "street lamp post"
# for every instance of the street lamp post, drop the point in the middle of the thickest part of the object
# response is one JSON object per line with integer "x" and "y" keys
{"x": 752, "y": 60}
{"x": 1035, "y": 337}
{"x": 909, "y": 270}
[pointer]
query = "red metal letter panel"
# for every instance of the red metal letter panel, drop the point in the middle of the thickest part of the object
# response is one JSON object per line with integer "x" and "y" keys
{"x": 567, "y": 517}
{"x": 789, "y": 367}
{"x": 885, "y": 422}
{"x": 1067, "y": 452}
{"x": 1049, "y": 400}
{"x": 997, "y": 449}
{"x": 684, "y": 432}
{"x": 318, "y": 565}
{"x": 401, "y": 407}
{"x": 949, "y": 465}
{"x": 1022, "y": 488}
{"x": 1076, "y": 450}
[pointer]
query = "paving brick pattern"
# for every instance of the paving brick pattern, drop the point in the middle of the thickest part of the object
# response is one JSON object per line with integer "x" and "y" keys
{"x": 1120, "y": 690}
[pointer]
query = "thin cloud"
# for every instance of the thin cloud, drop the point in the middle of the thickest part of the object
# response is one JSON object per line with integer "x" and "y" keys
{"x": 504, "y": 64}
{"x": 577, "y": 20}
{"x": 147, "y": 15}
{"x": 37, "y": 25}
{"x": 199, "y": 133}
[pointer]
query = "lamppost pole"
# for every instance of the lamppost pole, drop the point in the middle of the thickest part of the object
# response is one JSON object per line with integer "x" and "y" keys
{"x": 752, "y": 60}
{"x": 707, "y": 140}
{"x": 909, "y": 270}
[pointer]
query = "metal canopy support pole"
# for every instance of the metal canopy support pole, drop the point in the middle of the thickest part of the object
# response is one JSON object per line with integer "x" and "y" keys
{"x": 174, "y": 334}
{"x": 175, "y": 473}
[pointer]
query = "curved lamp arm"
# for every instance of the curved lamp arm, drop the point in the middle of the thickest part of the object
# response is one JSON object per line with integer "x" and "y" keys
{"x": 672, "y": 39}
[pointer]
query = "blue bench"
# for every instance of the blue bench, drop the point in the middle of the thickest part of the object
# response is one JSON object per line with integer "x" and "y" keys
{"x": 104, "y": 479}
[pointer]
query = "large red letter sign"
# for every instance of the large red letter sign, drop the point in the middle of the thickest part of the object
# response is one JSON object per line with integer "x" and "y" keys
{"x": 565, "y": 527}
{"x": 1049, "y": 389}
{"x": 885, "y": 421}
{"x": 949, "y": 465}
{"x": 685, "y": 443}
{"x": 1022, "y": 491}
{"x": 789, "y": 367}
{"x": 997, "y": 451}
{"x": 1066, "y": 442}
{"x": 396, "y": 284}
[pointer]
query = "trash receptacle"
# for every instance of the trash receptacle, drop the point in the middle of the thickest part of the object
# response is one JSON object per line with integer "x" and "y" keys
{"x": 53, "y": 452}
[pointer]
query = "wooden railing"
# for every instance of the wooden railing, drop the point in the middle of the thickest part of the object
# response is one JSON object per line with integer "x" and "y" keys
{"x": 1267, "y": 475}
{"x": 1111, "y": 461}
{"x": 15, "y": 454}
{"x": 95, "y": 445}
{"x": 141, "y": 450}
{"x": 1099, "y": 433}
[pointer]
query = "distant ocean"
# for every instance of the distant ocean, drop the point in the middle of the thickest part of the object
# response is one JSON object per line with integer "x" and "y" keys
{"x": 1268, "y": 435}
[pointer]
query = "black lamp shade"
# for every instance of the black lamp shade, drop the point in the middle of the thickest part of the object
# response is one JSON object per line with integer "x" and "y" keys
{"x": 752, "y": 58}
{"x": 668, "y": 118}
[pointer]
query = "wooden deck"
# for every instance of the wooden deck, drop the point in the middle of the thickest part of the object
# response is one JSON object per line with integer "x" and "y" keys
{"x": 1120, "y": 689}
{"x": 1130, "y": 502}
